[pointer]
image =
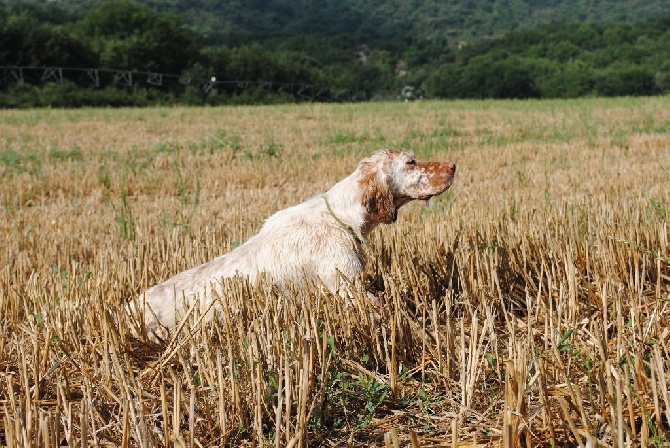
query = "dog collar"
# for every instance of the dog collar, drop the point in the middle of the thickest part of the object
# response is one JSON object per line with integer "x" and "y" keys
{"x": 346, "y": 227}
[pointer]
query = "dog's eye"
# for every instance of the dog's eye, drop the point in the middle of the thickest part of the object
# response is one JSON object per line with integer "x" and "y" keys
{"x": 411, "y": 162}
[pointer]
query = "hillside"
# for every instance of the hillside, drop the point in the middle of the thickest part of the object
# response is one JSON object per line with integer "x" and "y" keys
{"x": 449, "y": 22}
{"x": 293, "y": 60}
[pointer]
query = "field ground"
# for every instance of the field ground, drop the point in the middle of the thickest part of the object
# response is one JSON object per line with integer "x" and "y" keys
{"x": 527, "y": 306}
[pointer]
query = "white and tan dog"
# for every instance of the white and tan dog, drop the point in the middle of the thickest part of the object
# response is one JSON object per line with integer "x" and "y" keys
{"x": 318, "y": 239}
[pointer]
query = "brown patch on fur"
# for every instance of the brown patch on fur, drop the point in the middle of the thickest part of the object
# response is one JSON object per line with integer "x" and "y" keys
{"x": 440, "y": 174}
{"x": 378, "y": 199}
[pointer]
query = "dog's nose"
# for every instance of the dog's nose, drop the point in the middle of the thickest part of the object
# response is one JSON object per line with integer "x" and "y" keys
{"x": 451, "y": 166}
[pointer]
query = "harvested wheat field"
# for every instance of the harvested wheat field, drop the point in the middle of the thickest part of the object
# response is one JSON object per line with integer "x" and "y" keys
{"x": 527, "y": 306}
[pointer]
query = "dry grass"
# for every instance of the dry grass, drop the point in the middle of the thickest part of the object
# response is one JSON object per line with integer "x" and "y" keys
{"x": 529, "y": 306}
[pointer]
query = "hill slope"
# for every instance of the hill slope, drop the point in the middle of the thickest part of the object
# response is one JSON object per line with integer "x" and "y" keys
{"x": 298, "y": 59}
{"x": 443, "y": 22}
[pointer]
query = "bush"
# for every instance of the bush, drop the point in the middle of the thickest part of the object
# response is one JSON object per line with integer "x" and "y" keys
{"x": 626, "y": 81}
{"x": 486, "y": 77}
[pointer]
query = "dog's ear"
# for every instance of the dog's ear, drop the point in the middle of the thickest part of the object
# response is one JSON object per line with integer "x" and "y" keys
{"x": 378, "y": 199}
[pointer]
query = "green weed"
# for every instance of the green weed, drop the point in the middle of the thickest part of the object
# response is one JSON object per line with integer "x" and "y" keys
{"x": 125, "y": 218}
{"x": 73, "y": 153}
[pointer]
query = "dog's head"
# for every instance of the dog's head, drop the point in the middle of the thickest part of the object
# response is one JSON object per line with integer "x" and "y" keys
{"x": 391, "y": 178}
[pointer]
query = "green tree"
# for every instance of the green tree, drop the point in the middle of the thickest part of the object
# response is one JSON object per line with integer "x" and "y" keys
{"x": 130, "y": 36}
{"x": 622, "y": 79}
{"x": 571, "y": 79}
{"x": 26, "y": 41}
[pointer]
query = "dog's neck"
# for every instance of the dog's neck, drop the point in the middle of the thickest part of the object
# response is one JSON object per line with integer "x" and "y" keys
{"x": 345, "y": 200}
{"x": 346, "y": 227}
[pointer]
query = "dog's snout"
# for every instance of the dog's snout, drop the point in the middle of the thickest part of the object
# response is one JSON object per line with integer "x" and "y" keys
{"x": 450, "y": 167}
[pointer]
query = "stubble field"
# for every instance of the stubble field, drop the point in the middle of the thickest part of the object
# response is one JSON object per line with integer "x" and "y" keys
{"x": 527, "y": 306}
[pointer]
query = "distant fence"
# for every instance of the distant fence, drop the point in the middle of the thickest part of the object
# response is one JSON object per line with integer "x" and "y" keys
{"x": 102, "y": 77}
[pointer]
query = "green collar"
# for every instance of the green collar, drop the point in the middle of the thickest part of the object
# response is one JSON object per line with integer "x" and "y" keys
{"x": 339, "y": 221}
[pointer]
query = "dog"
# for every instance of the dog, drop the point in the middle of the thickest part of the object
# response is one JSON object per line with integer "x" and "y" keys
{"x": 320, "y": 238}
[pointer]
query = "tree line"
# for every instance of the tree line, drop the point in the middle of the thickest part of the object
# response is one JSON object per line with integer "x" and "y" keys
{"x": 553, "y": 61}
{"x": 563, "y": 61}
